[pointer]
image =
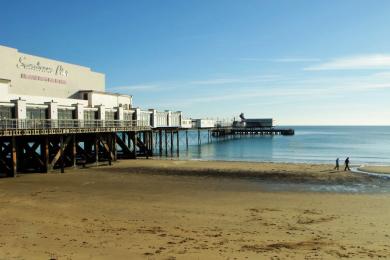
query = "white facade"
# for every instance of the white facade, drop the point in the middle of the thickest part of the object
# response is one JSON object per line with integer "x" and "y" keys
{"x": 96, "y": 98}
{"x": 203, "y": 123}
{"x": 186, "y": 123}
{"x": 36, "y": 76}
{"x": 33, "y": 87}
{"x": 160, "y": 119}
{"x": 175, "y": 119}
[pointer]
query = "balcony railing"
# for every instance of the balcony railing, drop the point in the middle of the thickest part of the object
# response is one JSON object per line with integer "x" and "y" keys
{"x": 8, "y": 124}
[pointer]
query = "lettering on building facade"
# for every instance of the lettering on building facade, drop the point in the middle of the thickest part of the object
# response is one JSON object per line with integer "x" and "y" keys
{"x": 59, "y": 70}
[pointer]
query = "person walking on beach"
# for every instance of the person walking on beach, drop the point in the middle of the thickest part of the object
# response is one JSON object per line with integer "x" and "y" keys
{"x": 337, "y": 164}
{"x": 347, "y": 164}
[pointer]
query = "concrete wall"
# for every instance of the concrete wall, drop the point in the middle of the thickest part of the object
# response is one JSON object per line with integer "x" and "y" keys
{"x": 186, "y": 123}
{"x": 42, "y": 100}
{"x": 4, "y": 86}
{"x": 203, "y": 123}
{"x": 176, "y": 119}
{"x": 36, "y": 76}
{"x": 161, "y": 119}
{"x": 109, "y": 100}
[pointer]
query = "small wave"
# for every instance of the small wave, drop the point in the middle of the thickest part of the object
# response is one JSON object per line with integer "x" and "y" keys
{"x": 381, "y": 175}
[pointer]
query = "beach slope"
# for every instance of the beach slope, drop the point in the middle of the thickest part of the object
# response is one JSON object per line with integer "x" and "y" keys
{"x": 149, "y": 210}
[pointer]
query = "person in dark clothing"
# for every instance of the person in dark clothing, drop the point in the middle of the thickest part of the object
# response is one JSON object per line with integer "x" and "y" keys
{"x": 337, "y": 164}
{"x": 347, "y": 164}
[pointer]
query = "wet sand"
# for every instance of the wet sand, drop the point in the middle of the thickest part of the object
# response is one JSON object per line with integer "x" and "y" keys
{"x": 376, "y": 169}
{"x": 150, "y": 209}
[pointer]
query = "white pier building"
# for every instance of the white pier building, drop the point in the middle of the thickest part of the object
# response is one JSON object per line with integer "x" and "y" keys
{"x": 36, "y": 90}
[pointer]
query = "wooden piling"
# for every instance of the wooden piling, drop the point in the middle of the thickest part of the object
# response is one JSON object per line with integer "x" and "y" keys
{"x": 171, "y": 143}
{"x": 177, "y": 143}
{"x": 96, "y": 144}
{"x": 14, "y": 157}
{"x": 166, "y": 143}
{"x": 187, "y": 139}
{"x": 62, "y": 162}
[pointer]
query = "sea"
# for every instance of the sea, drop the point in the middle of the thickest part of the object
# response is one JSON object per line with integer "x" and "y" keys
{"x": 368, "y": 145}
{"x": 365, "y": 145}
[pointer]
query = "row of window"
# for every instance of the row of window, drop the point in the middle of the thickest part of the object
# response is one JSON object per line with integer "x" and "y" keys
{"x": 63, "y": 114}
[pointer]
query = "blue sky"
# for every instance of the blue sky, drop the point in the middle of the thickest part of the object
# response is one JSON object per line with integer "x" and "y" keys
{"x": 300, "y": 62}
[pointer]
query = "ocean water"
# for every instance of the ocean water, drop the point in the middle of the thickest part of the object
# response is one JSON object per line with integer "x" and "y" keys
{"x": 310, "y": 144}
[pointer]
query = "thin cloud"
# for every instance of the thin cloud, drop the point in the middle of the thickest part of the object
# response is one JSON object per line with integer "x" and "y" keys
{"x": 135, "y": 87}
{"x": 298, "y": 89}
{"x": 373, "y": 61}
{"x": 223, "y": 81}
{"x": 141, "y": 87}
{"x": 284, "y": 60}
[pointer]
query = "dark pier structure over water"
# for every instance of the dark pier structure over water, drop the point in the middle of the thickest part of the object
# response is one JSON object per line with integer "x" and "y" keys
{"x": 42, "y": 146}
{"x": 252, "y": 126}
{"x": 32, "y": 146}
{"x": 238, "y": 131}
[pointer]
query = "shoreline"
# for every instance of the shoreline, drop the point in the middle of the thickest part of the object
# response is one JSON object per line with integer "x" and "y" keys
{"x": 266, "y": 171}
{"x": 376, "y": 170}
{"x": 362, "y": 164}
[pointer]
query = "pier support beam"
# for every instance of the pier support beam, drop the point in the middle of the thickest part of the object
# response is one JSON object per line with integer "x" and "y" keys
{"x": 166, "y": 143}
{"x": 187, "y": 139}
{"x": 14, "y": 157}
{"x": 177, "y": 143}
{"x": 62, "y": 154}
{"x": 171, "y": 143}
{"x": 160, "y": 142}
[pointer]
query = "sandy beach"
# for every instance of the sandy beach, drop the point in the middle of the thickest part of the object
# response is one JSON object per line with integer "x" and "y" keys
{"x": 162, "y": 209}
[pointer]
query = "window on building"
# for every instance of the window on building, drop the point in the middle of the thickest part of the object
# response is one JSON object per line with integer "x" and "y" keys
{"x": 90, "y": 115}
{"x": 128, "y": 116}
{"x": 65, "y": 114}
{"x": 6, "y": 112}
{"x": 36, "y": 113}
{"x": 110, "y": 115}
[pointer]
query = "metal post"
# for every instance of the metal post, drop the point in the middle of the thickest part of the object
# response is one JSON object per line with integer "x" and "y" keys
{"x": 199, "y": 141}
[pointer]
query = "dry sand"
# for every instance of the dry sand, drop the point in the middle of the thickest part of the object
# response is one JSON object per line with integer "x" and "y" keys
{"x": 137, "y": 210}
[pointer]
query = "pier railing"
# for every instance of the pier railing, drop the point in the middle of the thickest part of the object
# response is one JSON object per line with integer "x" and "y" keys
{"x": 13, "y": 124}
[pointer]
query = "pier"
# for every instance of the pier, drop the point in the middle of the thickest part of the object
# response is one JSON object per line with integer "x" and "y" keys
{"x": 46, "y": 145}
{"x": 41, "y": 146}
{"x": 239, "y": 131}
{"x": 45, "y": 128}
